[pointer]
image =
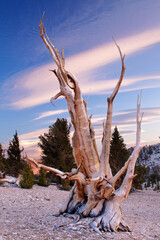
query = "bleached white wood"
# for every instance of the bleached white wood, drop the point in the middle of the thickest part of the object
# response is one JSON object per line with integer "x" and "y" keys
{"x": 94, "y": 183}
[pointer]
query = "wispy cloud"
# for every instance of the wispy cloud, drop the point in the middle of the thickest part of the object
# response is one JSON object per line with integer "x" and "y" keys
{"x": 106, "y": 86}
{"x": 108, "y": 53}
{"x": 38, "y": 85}
{"x": 33, "y": 134}
{"x": 30, "y": 142}
{"x": 33, "y": 151}
{"x": 50, "y": 113}
{"x": 126, "y": 122}
{"x": 128, "y": 117}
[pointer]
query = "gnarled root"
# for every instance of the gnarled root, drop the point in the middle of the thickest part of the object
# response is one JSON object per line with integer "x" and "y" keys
{"x": 97, "y": 209}
{"x": 107, "y": 212}
{"x": 90, "y": 204}
{"x": 111, "y": 218}
{"x": 73, "y": 202}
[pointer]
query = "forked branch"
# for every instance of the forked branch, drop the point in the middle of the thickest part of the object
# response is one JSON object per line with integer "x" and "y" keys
{"x": 39, "y": 165}
{"x": 124, "y": 190}
{"x": 72, "y": 176}
{"x": 93, "y": 193}
{"x": 76, "y": 107}
{"x": 115, "y": 91}
{"x": 117, "y": 176}
{"x": 105, "y": 170}
{"x": 42, "y": 34}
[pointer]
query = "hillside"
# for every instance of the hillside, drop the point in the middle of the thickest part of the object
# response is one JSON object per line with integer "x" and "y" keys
{"x": 150, "y": 157}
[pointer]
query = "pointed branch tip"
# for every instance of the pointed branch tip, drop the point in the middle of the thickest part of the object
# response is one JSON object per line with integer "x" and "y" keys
{"x": 43, "y": 17}
{"x": 135, "y": 175}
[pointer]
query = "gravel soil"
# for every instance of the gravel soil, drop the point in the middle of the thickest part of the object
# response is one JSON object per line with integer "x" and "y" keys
{"x": 29, "y": 214}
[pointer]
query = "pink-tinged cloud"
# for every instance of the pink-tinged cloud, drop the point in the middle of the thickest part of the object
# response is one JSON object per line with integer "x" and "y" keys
{"x": 108, "y": 53}
{"x": 30, "y": 142}
{"x": 33, "y": 135}
{"x": 125, "y": 121}
{"x": 37, "y": 86}
{"x": 33, "y": 151}
{"x": 50, "y": 113}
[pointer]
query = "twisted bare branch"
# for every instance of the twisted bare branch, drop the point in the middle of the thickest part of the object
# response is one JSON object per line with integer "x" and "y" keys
{"x": 75, "y": 175}
{"x": 105, "y": 169}
{"x": 124, "y": 190}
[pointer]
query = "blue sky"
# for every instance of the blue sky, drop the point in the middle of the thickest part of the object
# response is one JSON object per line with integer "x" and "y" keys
{"x": 85, "y": 30}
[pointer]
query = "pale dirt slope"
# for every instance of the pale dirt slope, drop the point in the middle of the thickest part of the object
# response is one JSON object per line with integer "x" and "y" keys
{"x": 28, "y": 214}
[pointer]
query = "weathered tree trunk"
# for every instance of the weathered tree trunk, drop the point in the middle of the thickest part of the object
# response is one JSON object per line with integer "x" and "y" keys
{"x": 11, "y": 180}
{"x": 93, "y": 193}
{"x": 2, "y": 175}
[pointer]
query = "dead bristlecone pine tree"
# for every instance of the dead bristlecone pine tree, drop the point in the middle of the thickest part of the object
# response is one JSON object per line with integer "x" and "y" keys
{"x": 93, "y": 193}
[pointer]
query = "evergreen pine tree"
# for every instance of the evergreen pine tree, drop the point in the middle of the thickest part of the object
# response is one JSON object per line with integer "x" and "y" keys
{"x": 155, "y": 176}
{"x": 150, "y": 150}
{"x": 14, "y": 161}
{"x": 141, "y": 172}
{"x": 42, "y": 178}
{"x": 27, "y": 177}
{"x": 2, "y": 159}
{"x": 56, "y": 148}
{"x": 118, "y": 153}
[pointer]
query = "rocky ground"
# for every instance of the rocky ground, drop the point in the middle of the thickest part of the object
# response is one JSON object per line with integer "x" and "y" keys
{"x": 29, "y": 214}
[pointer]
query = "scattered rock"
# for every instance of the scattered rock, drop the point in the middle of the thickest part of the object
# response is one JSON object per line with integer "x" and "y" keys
{"x": 31, "y": 214}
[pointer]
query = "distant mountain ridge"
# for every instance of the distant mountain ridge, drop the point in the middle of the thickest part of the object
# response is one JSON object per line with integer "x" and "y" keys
{"x": 149, "y": 156}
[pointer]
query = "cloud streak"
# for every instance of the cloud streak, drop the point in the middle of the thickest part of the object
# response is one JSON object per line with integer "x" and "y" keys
{"x": 50, "y": 113}
{"x": 30, "y": 142}
{"x": 38, "y": 85}
{"x": 108, "y": 53}
{"x": 126, "y": 122}
{"x": 33, "y": 134}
